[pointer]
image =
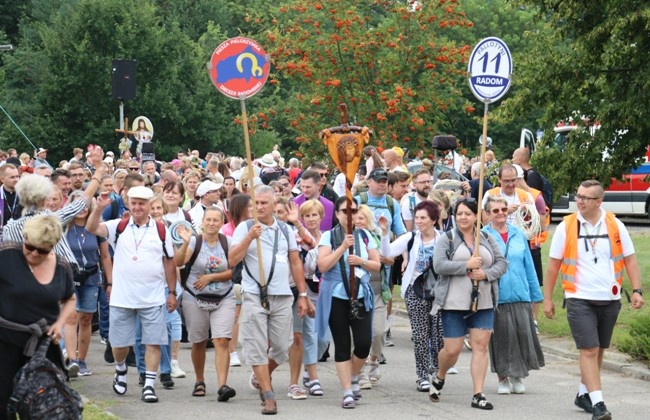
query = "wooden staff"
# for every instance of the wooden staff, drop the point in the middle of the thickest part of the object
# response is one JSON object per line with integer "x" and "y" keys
{"x": 251, "y": 176}
{"x": 477, "y": 239}
{"x": 126, "y": 131}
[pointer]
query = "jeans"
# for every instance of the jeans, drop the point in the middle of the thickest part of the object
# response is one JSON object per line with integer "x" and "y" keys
{"x": 103, "y": 313}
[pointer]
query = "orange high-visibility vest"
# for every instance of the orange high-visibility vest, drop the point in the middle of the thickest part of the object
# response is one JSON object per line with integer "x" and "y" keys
{"x": 570, "y": 258}
{"x": 522, "y": 194}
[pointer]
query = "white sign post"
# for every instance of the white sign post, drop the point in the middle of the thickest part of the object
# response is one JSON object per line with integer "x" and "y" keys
{"x": 489, "y": 75}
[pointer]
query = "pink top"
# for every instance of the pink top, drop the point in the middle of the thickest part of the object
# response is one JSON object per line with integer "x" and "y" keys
{"x": 228, "y": 229}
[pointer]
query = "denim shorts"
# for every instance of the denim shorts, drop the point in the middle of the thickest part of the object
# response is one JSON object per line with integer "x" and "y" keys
{"x": 457, "y": 323}
{"x": 87, "y": 298}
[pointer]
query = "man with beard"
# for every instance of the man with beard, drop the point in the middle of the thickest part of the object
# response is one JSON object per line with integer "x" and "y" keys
{"x": 422, "y": 183}
{"x": 77, "y": 176}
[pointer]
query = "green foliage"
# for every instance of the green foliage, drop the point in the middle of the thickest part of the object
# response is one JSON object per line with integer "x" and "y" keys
{"x": 637, "y": 344}
{"x": 592, "y": 67}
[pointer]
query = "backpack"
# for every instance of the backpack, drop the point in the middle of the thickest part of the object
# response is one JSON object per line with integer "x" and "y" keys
{"x": 237, "y": 271}
{"x": 389, "y": 203}
{"x": 185, "y": 271}
{"x": 547, "y": 189}
{"x": 41, "y": 390}
{"x": 160, "y": 226}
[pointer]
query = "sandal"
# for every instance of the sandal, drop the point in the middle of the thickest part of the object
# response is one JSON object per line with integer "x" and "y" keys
{"x": 435, "y": 388}
{"x": 479, "y": 401}
{"x": 117, "y": 383}
{"x": 348, "y": 401}
{"x": 149, "y": 395}
{"x": 315, "y": 388}
{"x": 296, "y": 393}
{"x": 199, "y": 389}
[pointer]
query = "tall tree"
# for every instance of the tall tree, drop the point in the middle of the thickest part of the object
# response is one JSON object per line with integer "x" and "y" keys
{"x": 592, "y": 68}
{"x": 389, "y": 61}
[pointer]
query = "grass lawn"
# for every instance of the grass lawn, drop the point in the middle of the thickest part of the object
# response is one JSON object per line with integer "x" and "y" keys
{"x": 559, "y": 325}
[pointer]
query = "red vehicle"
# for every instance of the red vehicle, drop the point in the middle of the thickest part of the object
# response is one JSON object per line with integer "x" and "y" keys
{"x": 629, "y": 197}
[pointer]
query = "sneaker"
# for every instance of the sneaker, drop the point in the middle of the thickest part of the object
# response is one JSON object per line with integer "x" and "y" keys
{"x": 600, "y": 412}
{"x": 584, "y": 402}
{"x": 166, "y": 380}
{"x": 108, "y": 354}
{"x": 423, "y": 385}
{"x": 141, "y": 378}
{"x": 103, "y": 341}
{"x": 373, "y": 373}
{"x": 83, "y": 369}
{"x": 364, "y": 381}
{"x": 382, "y": 359}
{"x": 225, "y": 393}
{"x": 296, "y": 393}
{"x": 536, "y": 328}
{"x": 388, "y": 339}
{"x": 234, "y": 359}
{"x": 177, "y": 372}
{"x": 504, "y": 388}
{"x": 452, "y": 371}
{"x": 518, "y": 386}
{"x": 73, "y": 369}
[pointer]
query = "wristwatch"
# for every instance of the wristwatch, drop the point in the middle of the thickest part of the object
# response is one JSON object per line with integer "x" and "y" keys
{"x": 302, "y": 294}
{"x": 639, "y": 291}
{"x": 173, "y": 292}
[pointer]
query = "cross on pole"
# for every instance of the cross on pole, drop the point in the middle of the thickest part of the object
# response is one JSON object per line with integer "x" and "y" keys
{"x": 125, "y": 131}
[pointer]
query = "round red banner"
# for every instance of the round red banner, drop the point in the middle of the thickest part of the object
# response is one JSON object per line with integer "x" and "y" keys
{"x": 239, "y": 67}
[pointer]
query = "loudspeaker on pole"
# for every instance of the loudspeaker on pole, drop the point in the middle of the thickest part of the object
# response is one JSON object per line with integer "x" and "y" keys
{"x": 124, "y": 79}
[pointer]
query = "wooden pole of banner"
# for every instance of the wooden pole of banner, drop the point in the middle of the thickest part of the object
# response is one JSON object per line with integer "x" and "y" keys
{"x": 251, "y": 177}
{"x": 477, "y": 240}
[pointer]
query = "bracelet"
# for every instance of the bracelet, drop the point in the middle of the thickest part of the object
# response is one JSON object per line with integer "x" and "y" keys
{"x": 173, "y": 292}
{"x": 302, "y": 294}
{"x": 109, "y": 284}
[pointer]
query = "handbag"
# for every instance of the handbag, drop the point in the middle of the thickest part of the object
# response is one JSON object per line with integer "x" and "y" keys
{"x": 425, "y": 283}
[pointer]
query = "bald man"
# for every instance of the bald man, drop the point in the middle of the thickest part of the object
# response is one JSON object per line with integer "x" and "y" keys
{"x": 521, "y": 157}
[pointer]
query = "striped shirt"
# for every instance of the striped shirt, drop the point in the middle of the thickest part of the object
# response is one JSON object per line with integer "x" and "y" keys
{"x": 14, "y": 229}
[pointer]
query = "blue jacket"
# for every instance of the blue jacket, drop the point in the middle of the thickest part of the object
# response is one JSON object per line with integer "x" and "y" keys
{"x": 519, "y": 283}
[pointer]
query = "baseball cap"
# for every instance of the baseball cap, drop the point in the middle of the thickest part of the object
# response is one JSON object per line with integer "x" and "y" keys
{"x": 399, "y": 151}
{"x": 207, "y": 186}
{"x": 41, "y": 150}
{"x": 142, "y": 192}
{"x": 378, "y": 174}
{"x": 520, "y": 171}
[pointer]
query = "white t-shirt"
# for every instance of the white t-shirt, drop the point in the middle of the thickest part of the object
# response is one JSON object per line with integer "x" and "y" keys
{"x": 138, "y": 271}
{"x": 594, "y": 269}
{"x": 279, "y": 283}
{"x": 339, "y": 184}
{"x": 405, "y": 204}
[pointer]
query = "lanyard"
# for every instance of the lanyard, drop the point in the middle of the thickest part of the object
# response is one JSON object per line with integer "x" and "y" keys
{"x": 11, "y": 208}
{"x": 81, "y": 243}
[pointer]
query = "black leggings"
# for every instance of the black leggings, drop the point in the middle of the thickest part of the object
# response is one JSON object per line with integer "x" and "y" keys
{"x": 340, "y": 326}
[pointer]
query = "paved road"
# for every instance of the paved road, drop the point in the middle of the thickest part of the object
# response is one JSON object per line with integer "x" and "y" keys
{"x": 549, "y": 395}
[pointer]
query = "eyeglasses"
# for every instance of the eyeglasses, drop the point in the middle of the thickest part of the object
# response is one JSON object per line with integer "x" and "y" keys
{"x": 501, "y": 210}
{"x": 285, "y": 185}
{"x": 32, "y": 248}
{"x": 354, "y": 211}
{"x": 585, "y": 198}
{"x": 423, "y": 182}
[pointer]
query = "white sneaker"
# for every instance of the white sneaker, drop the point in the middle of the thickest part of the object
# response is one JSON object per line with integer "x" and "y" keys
{"x": 536, "y": 328}
{"x": 177, "y": 372}
{"x": 504, "y": 388}
{"x": 452, "y": 371}
{"x": 518, "y": 386}
{"x": 234, "y": 359}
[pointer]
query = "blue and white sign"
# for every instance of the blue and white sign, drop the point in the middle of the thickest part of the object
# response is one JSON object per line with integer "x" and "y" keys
{"x": 490, "y": 70}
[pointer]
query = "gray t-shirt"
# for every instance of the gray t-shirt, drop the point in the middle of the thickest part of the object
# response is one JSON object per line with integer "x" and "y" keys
{"x": 279, "y": 283}
{"x": 211, "y": 259}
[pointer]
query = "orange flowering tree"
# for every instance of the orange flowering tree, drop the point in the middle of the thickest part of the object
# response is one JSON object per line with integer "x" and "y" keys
{"x": 390, "y": 61}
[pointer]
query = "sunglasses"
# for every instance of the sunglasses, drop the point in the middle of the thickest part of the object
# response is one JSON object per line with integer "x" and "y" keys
{"x": 134, "y": 168}
{"x": 323, "y": 175}
{"x": 32, "y": 248}
{"x": 354, "y": 211}
{"x": 501, "y": 210}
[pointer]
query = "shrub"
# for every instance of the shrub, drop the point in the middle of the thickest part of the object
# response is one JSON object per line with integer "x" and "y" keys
{"x": 637, "y": 344}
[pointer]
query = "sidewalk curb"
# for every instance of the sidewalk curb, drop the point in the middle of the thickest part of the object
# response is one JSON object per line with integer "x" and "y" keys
{"x": 634, "y": 370}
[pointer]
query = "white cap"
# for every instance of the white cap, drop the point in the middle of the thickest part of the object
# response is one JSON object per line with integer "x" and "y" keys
{"x": 520, "y": 171}
{"x": 206, "y": 187}
{"x": 142, "y": 192}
